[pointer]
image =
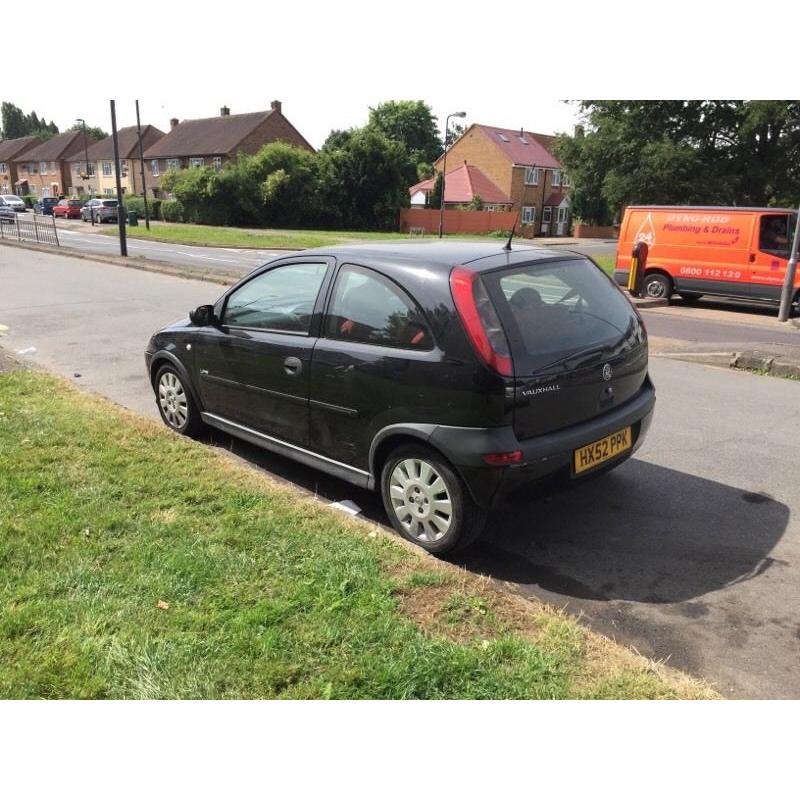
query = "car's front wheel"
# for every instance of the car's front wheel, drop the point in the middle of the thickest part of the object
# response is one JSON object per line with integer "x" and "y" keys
{"x": 657, "y": 285}
{"x": 427, "y": 502}
{"x": 175, "y": 403}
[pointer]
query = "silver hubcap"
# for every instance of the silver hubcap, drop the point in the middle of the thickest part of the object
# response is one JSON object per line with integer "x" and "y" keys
{"x": 655, "y": 289}
{"x": 421, "y": 500}
{"x": 172, "y": 399}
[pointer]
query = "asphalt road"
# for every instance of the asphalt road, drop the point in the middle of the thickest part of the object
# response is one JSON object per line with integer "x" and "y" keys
{"x": 225, "y": 260}
{"x": 689, "y": 552}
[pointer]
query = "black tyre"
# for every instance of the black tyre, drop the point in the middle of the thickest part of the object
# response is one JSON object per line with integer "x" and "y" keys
{"x": 427, "y": 502}
{"x": 175, "y": 402}
{"x": 657, "y": 285}
{"x": 794, "y": 311}
{"x": 690, "y": 297}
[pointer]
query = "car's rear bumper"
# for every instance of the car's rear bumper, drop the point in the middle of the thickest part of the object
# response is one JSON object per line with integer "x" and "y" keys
{"x": 542, "y": 456}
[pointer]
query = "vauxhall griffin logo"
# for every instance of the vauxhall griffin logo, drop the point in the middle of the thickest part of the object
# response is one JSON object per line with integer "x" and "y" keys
{"x": 607, "y": 372}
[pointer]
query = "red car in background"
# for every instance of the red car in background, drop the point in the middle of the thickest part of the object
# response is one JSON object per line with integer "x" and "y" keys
{"x": 68, "y": 209}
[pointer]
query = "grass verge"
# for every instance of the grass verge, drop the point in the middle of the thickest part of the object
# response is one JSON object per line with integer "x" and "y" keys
{"x": 137, "y": 564}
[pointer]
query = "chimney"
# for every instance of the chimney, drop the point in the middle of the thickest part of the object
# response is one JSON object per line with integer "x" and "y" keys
{"x": 173, "y": 123}
{"x": 275, "y": 105}
{"x": 224, "y": 111}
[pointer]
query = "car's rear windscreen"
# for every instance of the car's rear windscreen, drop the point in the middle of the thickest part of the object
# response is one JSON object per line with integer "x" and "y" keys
{"x": 110, "y": 203}
{"x": 558, "y": 309}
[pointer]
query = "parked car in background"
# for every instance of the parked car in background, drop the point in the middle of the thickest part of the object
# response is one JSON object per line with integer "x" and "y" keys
{"x": 7, "y": 213}
{"x": 16, "y": 203}
{"x": 718, "y": 251}
{"x": 100, "y": 210}
{"x": 68, "y": 209}
{"x": 45, "y": 206}
{"x": 447, "y": 376}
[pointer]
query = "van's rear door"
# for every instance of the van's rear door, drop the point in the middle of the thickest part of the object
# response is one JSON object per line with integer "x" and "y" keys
{"x": 578, "y": 346}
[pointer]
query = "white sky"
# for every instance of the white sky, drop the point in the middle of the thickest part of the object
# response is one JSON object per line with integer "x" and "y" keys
{"x": 508, "y": 64}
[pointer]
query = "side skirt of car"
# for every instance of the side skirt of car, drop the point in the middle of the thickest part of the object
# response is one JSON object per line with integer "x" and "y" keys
{"x": 354, "y": 475}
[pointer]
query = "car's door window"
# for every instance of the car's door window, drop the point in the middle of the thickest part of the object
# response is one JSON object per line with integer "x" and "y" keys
{"x": 367, "y": 307}
{"x": 774, "y": 235}
{"x": 281, "y": 299}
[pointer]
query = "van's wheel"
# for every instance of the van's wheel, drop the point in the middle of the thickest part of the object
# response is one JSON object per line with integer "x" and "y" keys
{"x": 657, "y": 285}
{"x": 175, "y": 403}
{"x": 795, "y": 309}
{"x": 427, "y": 502}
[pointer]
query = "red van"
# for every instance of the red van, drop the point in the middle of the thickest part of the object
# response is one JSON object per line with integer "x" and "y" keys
{"x": 704, "y": 250}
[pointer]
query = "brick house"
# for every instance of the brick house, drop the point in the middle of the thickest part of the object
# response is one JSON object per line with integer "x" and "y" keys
{"x": 9, "y": 150}
{"x": 213, "y": 141}
{"x": 102, "y": 179}
{"x": 462, "y": 185}
{"x": 44, "y": 170}
{"x": 522, "y": 166}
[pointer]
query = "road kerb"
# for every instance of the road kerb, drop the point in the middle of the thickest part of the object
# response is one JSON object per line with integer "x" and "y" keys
{"x": 135, "y": 262}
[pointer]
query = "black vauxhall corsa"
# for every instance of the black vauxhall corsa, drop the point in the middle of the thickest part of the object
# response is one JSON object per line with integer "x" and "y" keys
{"x": 446, "y": 375}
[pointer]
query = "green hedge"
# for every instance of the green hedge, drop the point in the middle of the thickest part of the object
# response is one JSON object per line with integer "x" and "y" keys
{"x": 29, "y": 200}
{"x": 134, "y": 202}
{"x": 172, "y": 211}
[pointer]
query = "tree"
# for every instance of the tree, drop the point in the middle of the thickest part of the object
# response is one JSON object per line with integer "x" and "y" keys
{"x": 412, "y": 124}
{"x": 17, "y": 124}
{"x": 363, "y": 184}
{"x": 453, "y": 132}
{"x": 711, "y": 152}
{"x": 435, "y": 196}
{"x": 92, "y": 132}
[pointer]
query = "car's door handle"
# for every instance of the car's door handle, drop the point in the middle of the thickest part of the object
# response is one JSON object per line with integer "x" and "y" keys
{"x": 292, "y": 365}
{"x": 752, "y": 258}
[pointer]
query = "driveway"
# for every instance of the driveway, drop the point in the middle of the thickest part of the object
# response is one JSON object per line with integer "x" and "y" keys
{"x": 690, "y": 552}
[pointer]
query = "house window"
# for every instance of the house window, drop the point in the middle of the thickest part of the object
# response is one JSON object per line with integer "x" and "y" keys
{"x": 43, "y": 168}
{"x": 547, "y": 214}
{"x": 109, "y": 191}
{"x": 31, "y": 168}
{"x": 556, "y": 177}
{"x": 531, "y": 176}
{"x": 503, "y": 137}
{"x": 45, "y": 192}
{"x": 107, "y": 168}
{"x": 528, "y": 214}
{"x": 52, "y": 167}
{"x": 196, "y": 162}
{"x": 217, "y": 163}
{"x": 565, "y": 181}
{"x": 154, "y": 167}
{"x": 562, "y": 214}
{"x": 3, "y": 168}
{"x": 173, "y": 163}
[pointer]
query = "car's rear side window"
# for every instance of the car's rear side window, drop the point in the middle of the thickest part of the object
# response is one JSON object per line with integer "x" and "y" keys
{"x": 368, "y": 307}
{"x": 555, "y": 309}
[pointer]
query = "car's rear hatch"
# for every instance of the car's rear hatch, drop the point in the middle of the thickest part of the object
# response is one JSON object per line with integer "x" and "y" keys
{"x": 578, "y": 346}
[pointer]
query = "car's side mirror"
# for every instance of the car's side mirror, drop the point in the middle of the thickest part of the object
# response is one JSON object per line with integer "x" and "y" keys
{"x": 202, "y": 316}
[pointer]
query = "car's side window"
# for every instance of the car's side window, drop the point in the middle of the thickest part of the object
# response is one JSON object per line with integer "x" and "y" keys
{"x": 367, "y": 307}
{"x": 281, "y": 299}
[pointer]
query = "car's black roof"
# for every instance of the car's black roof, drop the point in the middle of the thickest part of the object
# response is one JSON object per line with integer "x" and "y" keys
{"x": 441, "y": 254}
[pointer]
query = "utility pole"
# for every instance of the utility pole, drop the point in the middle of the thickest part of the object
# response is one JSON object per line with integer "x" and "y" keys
{"x": 123, "y": 242}
{"x": 86, "y": 165}
{"x": 141, "y": 164}
{"x": 461, "y": 114}
{"x": 787, "y": 295}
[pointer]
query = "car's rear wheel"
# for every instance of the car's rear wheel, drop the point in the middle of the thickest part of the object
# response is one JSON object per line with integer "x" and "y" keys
{"x": 427, "y": 502}
{"x": 175, "y": 402}
{"x": 657, "y": 285}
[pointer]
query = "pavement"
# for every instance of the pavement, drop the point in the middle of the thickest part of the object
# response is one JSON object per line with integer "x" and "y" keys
{"x": 689, "y": 552}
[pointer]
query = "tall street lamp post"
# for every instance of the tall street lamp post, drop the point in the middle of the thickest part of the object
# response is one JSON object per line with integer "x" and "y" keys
{"x": 86, "y": 156}
{"x": 461, "y": 114}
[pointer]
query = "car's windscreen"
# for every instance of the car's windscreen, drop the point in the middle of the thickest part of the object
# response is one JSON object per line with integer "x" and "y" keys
{"x": 554, "y": 311}
{"x": 12, "y": 197}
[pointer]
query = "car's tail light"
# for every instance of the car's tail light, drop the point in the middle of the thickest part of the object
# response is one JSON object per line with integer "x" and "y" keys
{"x": 480, "y": 320}
{"x": 502, "y": 459}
